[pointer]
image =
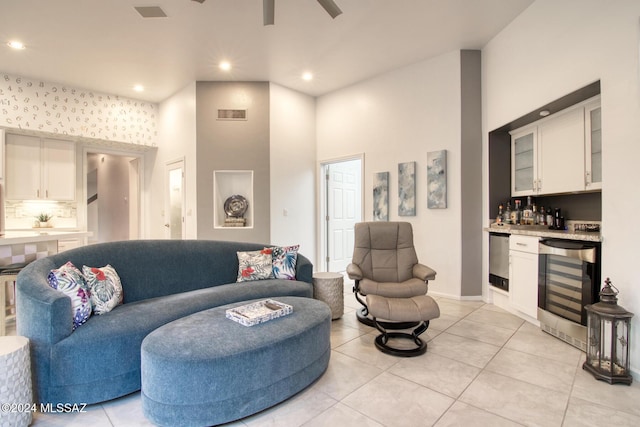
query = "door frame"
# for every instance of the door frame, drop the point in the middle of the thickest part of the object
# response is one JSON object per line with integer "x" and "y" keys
{"x": 140, "y": 156}
{"x": 165, "y": 200}
{"x": 322, "y": 233}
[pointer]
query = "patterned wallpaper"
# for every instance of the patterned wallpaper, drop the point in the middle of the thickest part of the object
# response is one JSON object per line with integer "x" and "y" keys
{"x": 35, "y": 105}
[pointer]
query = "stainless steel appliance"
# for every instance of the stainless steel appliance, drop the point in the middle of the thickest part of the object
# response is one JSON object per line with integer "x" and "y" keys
{"x": 568, "y": 280}
{"x": 499, "y": 260}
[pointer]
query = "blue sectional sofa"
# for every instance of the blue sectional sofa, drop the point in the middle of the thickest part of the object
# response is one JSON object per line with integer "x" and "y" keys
{"x": 162, "y": 280}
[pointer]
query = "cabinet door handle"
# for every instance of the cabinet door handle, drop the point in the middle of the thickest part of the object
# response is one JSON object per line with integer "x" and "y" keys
{"x": 37, "y": 194}
{"x": 521, "y": 244}
{"x": 46, "y": 194}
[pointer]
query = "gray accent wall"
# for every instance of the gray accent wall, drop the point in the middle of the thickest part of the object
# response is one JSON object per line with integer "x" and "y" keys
{"x": 471, "y": 172}
{"x": 233, "y": 145}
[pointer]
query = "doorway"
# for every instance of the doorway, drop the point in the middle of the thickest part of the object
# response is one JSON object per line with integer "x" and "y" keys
{"x": 174, "y": 200}
{"x": 113, "y": 196}
{"x": 341, "y": 207}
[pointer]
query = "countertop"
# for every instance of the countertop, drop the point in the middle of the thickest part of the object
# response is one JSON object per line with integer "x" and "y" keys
{"x": 543, "y": 231}
{"x": 12, "y": 237}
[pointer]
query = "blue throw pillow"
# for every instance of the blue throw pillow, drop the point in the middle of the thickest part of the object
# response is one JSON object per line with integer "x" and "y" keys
{"x": 284, "y": 261}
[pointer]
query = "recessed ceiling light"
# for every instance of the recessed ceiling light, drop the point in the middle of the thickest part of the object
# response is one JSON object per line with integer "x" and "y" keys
{"x": 138, "y": 88}
{"x": 544, "y": 113}
{"x": 225, "y": 65}
{"x": 307, "y": 76}
{"x": 15, "y": 44}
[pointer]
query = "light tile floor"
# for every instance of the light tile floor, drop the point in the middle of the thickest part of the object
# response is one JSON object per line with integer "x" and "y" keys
{"x": 483, "y": 367}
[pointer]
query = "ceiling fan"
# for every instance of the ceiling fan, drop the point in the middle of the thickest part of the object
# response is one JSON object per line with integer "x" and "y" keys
{"x": 268, "y": 9}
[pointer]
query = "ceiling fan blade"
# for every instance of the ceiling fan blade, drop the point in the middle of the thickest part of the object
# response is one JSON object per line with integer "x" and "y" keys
{"x": 268, "y": 11}
{"x": 331, "y": 7}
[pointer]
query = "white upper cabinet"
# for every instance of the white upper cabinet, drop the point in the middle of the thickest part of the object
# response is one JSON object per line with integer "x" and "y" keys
{"x": 40, "y": 168}
{"x": 558, "y": 154}
{"x": 59, "y": 169}
{"x": 593, "y": 145}
{"x": 524, "y": 165}
{"x": 561, "y": 153}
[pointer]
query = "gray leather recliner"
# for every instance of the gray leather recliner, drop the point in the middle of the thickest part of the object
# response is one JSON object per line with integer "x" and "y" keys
{"x": 385, "y": 263}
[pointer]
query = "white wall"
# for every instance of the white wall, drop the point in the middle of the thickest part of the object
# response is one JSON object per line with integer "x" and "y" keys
{"x": 399, "y": 117}
{"x": 554, "y": 48}
{"x": 293, "y": 165}
{"x": 177, "y": 139}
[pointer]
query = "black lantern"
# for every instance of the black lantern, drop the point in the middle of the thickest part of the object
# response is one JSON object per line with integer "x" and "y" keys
{"x": 608, "y": 327}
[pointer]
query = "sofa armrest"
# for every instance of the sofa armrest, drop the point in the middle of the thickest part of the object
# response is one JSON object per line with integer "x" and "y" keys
{"x": 354, "y": 272}
{"x": 43, "y": 314}
{"x": 304, "y": 269}
{"x": 423, "y": 272}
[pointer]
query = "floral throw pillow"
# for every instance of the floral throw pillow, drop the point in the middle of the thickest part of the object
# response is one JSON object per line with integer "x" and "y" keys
{"x": 106, "y": 289}
{"x": 254, "y": 265}
{"x": 284, "y": 260}
{"x": 70, "y": 281}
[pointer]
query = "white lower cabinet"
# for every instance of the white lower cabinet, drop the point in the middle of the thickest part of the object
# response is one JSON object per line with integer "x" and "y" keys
{"x": 523, "y": 274}
{"x": 65, "y": 245}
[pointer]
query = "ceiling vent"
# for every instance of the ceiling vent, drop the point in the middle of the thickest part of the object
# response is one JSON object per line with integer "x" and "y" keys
{"x": 150, "y": 12}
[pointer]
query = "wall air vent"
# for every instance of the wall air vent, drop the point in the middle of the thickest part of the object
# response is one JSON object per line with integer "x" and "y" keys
{"x": 150, "y": 12}
{"x": 228, "y": 114}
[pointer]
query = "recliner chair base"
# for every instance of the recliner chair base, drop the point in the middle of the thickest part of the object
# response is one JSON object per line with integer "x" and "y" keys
{"x": 363, "y": 317}
{"x": 382, "y": 340}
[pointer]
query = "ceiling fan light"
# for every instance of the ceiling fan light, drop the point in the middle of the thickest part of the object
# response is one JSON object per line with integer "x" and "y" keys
{"x": 331, "y": 7}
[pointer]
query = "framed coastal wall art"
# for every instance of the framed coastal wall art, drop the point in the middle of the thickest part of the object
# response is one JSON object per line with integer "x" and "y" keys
{"x": 407, "y": 189}
{"x": 381, "y": 196}
{"x": 437, "y": 179}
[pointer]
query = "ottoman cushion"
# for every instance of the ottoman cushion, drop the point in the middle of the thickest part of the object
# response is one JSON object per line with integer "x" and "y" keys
{"x": 205, "y": 369}
{"x": 411, "y": 309}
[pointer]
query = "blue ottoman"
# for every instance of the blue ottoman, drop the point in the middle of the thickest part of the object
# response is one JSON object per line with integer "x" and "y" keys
{"x": 205, "y": 369}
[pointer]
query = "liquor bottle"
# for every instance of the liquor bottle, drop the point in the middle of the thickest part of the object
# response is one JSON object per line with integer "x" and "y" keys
{"x": 550, "y": 221}
{"x": 534, "y": 216}
{"x": 516, "y": 215}
{"x": 507, "y": 214}
{"x": 527, "y": 213}
{"x": 542, "y": 217}
{"x": 500, "y": 217}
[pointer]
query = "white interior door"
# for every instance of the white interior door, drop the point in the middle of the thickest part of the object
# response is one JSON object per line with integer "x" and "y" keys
{"x": 174, "y": 201}
{"x": 344, "y": 210}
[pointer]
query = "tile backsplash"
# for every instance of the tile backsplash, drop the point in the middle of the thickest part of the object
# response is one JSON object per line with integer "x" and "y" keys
{"x": 23, "y": 214}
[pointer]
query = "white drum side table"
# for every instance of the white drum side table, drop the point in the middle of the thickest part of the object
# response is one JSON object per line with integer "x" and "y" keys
{"x": 329, "y": 288}
{"x": 15, "y": 381}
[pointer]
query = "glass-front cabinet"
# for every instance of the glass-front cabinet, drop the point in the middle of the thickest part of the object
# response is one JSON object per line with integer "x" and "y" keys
{"x": 523, "y": 160}
{"x": 593, "y": 145}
